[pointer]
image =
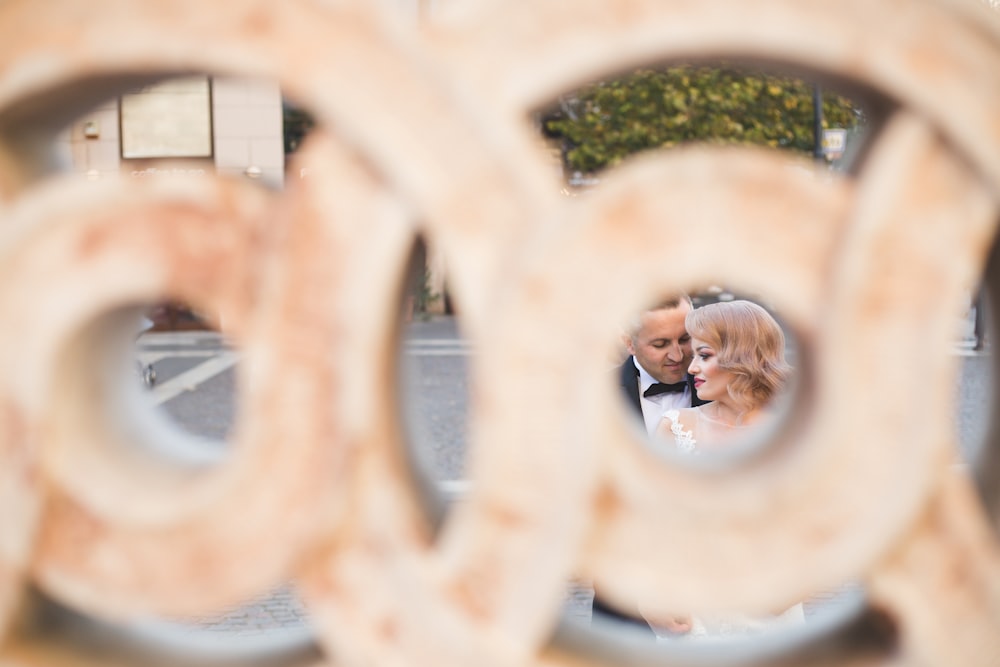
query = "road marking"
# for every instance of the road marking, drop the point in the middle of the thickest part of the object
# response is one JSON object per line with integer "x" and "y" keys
{"x": 456, "y": 352}
{"x": 150, "y": 357}
{"x": 166, "y": 338}
{"x": 190, "y": 379}
{"x": 454, "y": 489}
{"x": 966, "y": 349}
{"x": 437, "y": 347}
{"x": 436, "y": 341}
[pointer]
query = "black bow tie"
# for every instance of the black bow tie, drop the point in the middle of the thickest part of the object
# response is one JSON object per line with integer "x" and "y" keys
{"x": 658, "y": 388}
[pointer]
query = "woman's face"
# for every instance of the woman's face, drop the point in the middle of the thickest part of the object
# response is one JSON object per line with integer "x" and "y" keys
{"x": 711, "y": 382}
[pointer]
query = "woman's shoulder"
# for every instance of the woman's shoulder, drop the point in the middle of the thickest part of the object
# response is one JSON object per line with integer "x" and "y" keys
{"x": 686, "y": 417}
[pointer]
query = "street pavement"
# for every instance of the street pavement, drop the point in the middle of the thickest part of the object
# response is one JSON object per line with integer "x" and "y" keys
{"x": 195, "y": 389}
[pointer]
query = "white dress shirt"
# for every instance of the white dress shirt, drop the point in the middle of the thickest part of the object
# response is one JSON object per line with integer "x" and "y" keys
{"x": 654, "y": 406}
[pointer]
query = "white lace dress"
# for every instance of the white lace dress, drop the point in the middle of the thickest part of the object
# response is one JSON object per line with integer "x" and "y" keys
{"x": 720, "y": 626}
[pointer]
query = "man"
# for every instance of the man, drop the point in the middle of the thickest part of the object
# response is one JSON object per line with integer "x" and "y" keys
{"x": 655, "y": 379}
{"x": 655, "y": 375}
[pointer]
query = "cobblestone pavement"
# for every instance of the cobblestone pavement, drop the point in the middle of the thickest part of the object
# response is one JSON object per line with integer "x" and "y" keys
{"x": 195, "y": 389}
{"x": 282, "y": 609}
{"x": 278, "y": 609}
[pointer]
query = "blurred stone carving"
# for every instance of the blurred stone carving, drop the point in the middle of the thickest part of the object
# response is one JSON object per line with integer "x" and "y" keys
{"x": 423, "y": 130}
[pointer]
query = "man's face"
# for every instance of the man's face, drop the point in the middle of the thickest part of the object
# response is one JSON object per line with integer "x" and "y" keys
{"x": 662, "y": 345}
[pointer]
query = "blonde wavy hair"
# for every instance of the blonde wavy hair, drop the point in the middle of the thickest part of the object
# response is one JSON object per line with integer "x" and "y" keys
{"x": 748, "y": 343}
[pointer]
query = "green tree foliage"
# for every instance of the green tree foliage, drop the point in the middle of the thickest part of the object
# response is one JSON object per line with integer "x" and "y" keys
{"x": 605, "y": 122}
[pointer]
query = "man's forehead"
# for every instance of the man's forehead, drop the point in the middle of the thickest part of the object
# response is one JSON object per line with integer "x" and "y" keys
{"x": 666, "y": 320}
{"x": 670, "y": 312}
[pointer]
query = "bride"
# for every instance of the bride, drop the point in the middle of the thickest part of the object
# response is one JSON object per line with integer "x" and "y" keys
{"x": 739, "y": 365}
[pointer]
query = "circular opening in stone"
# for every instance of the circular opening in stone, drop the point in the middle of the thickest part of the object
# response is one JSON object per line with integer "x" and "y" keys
{"x": 111, "y": 436}
{"x": 707, "y": 375}
{"x": 434, "y": 358}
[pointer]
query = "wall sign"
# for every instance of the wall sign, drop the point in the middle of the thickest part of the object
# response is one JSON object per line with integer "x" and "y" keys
{"x": 168, "y": 119}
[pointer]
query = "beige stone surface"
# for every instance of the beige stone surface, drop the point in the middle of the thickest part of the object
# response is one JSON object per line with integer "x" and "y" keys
{"x": 423, "y": 131}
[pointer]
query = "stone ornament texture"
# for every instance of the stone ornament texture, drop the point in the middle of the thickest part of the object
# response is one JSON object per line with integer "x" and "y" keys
{"x": 424, "y": 130}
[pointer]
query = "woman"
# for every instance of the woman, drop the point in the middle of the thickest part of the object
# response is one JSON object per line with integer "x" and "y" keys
{"x": 739, "y": 365}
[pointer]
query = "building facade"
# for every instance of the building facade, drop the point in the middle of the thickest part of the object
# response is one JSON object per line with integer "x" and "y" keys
{"x": 221, "y": 125}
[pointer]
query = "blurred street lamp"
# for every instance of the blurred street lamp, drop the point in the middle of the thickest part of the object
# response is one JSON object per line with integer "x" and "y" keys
{"x": 818, "y": 123}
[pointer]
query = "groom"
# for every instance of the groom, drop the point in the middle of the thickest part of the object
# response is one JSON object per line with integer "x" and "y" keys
{"x": 655, "y": 379}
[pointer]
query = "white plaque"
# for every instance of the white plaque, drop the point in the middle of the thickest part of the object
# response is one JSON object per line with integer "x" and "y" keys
{"x": 169, "y": 119}
{"x": 834, "y": 142}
